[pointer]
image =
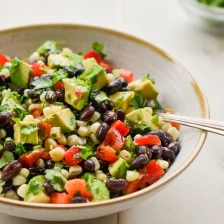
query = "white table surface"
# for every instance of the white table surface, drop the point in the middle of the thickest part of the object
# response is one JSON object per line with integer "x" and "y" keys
{"x": 197, "y": 196}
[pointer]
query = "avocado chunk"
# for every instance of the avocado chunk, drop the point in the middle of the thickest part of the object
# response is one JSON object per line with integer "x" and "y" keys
{"x": 66, "y": 59}
{"x": 141, "y": 120}
{"x": 64, "y": 119}
{"x": 94, "y": 73}
{"x": 119, "y": 168}
{"x": 116, "y": 72}
{"x": 89, "y": 62}
{"x": 146, "y": 88}
{"x": 34, "y": 191}
{"x": 122, "y": 100}
{"x": 97, "y": 187}
{"x": 20, "y": 73}
{"x": 76, "y": 92}
{"x": 26, "y": 131}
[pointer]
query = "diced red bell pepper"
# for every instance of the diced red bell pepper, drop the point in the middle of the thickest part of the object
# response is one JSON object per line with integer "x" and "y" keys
{"x": 114, "y": 139}
{"x": 3, "y": 59}
{"x": 72, "y": 156}
{"x": 106, "y": 154}
{"x": 59, "y": 85}
{"x": 170, "y": 111}
{"x": 29, "y": 159}
{"x": 36, "y": 112}
{"x": 105, "y": 65}
{"x": 78, "y": 187}
{"x": 175, "y": 125}
{"x": 132, "y": 186}
{"x": 36, "y": 68}
{"x": 59, "y": 198}
{"x": 79, "y": 92}
{"x": 95, "y": 55}
{"x": 44, "y": 129}
{"x": 121, "y": 127}
{"x": 148, "y": 140}
{"x": 128, "y": 75}
{"x": 151, "y": 172}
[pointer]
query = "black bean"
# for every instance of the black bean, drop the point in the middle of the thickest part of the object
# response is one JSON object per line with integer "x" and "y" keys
{"x": 4, "y": 119}
{"x": 167, "y": 154}
{"x": 32, "y": 61}
{"x": 10, "y": 146}
{"x": 87, "y": 113}
{"x": 48, "y": 187}
{"x": 28, "y": 147}
{"x": 124, "y": 89}
{"x": 156, "y": 151}
{"x": 139, "y": 162}
{"x": 36, "y": 99}
{"x": 120, "y": 115}
{"x": 11, "y": 170}
{"x": 110, "y": 116}
{"x": 36, "y": 170}
{"x": 109, "y": 105}
{"x": 150, "y": 103}
{"x": 7, "y": 186}
{"x": 2, "y": 79}
{"x": 116, "y": 185}
{"x": 164, "y": 137}
{"x": 102, "y": 163}
{"x": 79, "y": 199}
{"x": 124, "y": 82}
{"x": 60, "y": 95}
{"x": 144, "y": 150}
{"x": 20, "y": 91}
{"x": 73, "y": 72}
{"x": 115, "y": 194}
{"x": 75, "y": 131}
{"x": 102, "y": 131}
{"x": 112, "y": 87}
{"x": 31, "y": 93}
{"x": 49, "y": 164}
{"x": 51, "y": 97}
{"x": 50, "y": 52}
{"x": 79, "y": 69}
{"x": 89, "y": 165}
{"x": 175, "y": 147}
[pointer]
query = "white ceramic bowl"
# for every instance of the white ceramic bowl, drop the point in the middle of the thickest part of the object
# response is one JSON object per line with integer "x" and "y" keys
{"x": 177, "y": 89}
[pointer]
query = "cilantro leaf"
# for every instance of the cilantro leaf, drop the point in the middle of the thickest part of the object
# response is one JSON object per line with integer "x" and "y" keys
{"x": 20, "y": 149}
{"x": 129, "y": 144}
{"x": 56, "y": 179}
{"x": 17, "y": 120}
{"x": 58, "y": 166}
{"x": 99, "y": 48}
{"x": 21, "y": 112}
{"x": 155, "y": 119}
{"x": 138, "y": 100}
{"x": 4, "y": 108}
{"x": 148, "y": 77}
{"x": 97, "y": 187}
{"x": 59, "y": 75}
{"x": 49, "y": 45}
{"x": 42, "y": 83}
{"x": 35, "y": 187}
{"x": 101, "y": 98}
{"x": 6, "y": 158}
{"x": 86, "y": 151}
{"x": 28, "y": 129}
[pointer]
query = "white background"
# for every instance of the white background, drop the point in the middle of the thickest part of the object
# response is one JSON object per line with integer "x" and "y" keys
{"x": 197, "y": 196}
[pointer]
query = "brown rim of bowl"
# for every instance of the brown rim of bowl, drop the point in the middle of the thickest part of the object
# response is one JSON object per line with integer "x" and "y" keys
{"x": 199, "y": 92}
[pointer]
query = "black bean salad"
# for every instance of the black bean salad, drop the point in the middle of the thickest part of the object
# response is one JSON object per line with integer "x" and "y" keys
{"x": 214, "y": 3}
{"x": 74, "y": 130}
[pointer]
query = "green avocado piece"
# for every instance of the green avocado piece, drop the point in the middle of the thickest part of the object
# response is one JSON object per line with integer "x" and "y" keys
{"x": 119, "y": 168}
{"x": 64, "y": 119}
{"x": 94, "y": 73}
{"x": 141, "y": 120}
{"x": 122, "y": 100}
{"x": 76, "y": 92}
{"x": 146, "y": 88}
{"x": 34, "y": 191}
{"x": 31, "y": 138}
{"x": 20, "y": 73}
{"x": 97, "y": 187}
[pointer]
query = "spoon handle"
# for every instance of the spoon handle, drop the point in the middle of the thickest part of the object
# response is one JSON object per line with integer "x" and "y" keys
{"x": 216, "y": 127}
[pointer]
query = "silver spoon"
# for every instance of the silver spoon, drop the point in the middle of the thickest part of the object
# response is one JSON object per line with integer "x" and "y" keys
{"x": 216, "y": 127}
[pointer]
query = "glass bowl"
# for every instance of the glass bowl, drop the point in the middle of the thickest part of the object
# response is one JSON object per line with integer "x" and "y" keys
{"x": 207, "y": 17}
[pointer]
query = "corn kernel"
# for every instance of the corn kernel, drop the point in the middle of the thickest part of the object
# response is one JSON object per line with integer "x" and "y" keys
{"x": 65, "y": 173}
{"x": 57, "y": 154}
{"x": 162, "y": 163}
{"x": 83, "y": 131}
{"x": 40, "y": 163}
{"x": 24, "y": 172}
{"x": 22, "y": 190}
{"x": 29, "y": 118}
{"x": 75, "y": 170}
{"x": 131, "y": 175}
{"x": 174, "y": 133}
{"x": 81, "y": 123}
{"x": 72, "y": 140}
{"x": 96, "y": 163}
{"x": 94, "y": 127}
{"x": 55, "y": 132}
{"x": 47, "y": 111}
{"x": 95, "y": 117}
{"x": 62, "y": 140}
{"x": 166, "y": 126}
{"x": 50, "y": 143}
